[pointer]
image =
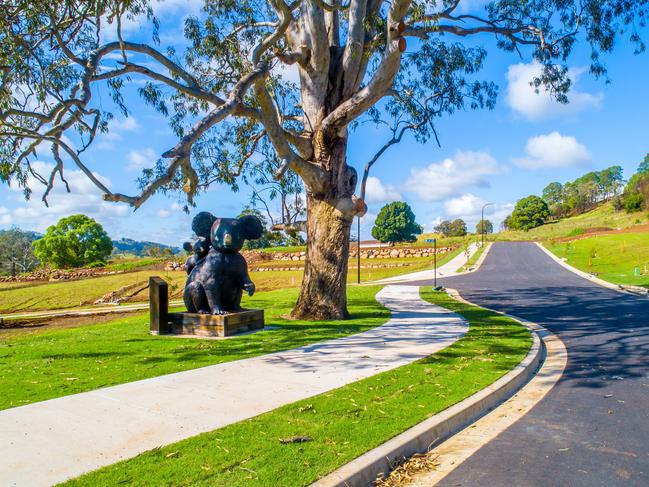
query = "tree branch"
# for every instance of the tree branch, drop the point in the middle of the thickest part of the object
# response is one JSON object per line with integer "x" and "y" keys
{"x": 382, "y": 80}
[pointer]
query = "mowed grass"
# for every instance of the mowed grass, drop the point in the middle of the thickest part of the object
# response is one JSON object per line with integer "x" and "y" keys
{"x": 48, "y": 364}
{"x": 23, "y": 297}
{"x": 343, "y": 423}
{"x": 613, "y": 258}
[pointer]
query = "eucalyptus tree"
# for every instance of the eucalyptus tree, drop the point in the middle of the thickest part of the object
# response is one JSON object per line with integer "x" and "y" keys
{"x": 404, "y": 61}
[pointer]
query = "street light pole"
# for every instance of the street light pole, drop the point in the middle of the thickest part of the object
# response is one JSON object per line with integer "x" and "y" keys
{"x": 358, "y": 250}
{"x": 482, "y": 225}
{"x": 435, "y": 260}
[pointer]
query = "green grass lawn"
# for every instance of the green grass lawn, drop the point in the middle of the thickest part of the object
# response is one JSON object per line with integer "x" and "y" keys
{"x": 613, "y": 258}
{"x": 48, "y": 364}
{"x": 343, "y": 423}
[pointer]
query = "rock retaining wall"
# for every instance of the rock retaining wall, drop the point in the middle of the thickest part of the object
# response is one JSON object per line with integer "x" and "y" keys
{"x": 374, "y": 253}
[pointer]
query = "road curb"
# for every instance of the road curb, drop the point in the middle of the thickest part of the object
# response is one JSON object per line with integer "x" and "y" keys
{"x": 422, "y": 437}
{"x": 480, "y": 260}
{"x": 615, "y": 287}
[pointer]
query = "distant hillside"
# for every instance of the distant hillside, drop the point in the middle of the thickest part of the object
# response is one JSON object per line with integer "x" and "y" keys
{"x": 32, "y": 235}
{"x": 602, "y": 218}
{"x": 138, "y": 247}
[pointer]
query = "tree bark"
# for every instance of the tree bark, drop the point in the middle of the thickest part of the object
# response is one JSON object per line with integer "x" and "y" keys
{"x": 323, "y": 294}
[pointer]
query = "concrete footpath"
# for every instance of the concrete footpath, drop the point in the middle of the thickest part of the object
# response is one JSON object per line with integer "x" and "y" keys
{"x": 447, "y": 270}
{"x": 51, "y": 441}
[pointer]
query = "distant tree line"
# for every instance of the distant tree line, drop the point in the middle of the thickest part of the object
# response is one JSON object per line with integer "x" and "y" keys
{"x": 455, "y": 228}
{"x": 582, "y": 195}
{"x": 142, "y": 248}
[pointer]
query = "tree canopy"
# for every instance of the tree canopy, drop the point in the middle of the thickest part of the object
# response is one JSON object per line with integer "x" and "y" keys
{"x": 484, "y": 226}
{"x": 396, "y": 223}
{"x": 16, "y": 252}
{"x": 455, "y": 228}
{"x": 530, "y": 212}
{"x": 636, "y": 191}
{"x": 75, "y": 241}
{"x": 584, "y": 193}
{"x": 54, "y": 53}
{"x": 643, "y": 168}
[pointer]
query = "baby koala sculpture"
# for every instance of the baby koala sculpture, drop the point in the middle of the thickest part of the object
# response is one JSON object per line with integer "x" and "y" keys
{"x": 217, "y": 272}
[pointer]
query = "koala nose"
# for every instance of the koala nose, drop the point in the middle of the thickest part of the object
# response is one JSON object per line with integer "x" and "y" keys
{"x": 227, "y": 239}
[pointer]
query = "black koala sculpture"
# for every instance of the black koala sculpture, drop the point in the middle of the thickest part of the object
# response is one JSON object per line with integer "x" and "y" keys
{"x": 217, "y": 272}
{"x": 202, "y": 226}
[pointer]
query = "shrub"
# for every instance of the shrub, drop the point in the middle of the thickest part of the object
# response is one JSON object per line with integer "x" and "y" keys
{"x": 633, "y": 202}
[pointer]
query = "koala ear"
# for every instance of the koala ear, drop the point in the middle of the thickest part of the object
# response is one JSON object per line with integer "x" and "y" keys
{"x": 202, "y": 224}
{"x": 251, "y": 227}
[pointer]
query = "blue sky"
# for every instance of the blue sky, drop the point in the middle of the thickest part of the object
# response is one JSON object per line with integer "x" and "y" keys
{"x": 496, "y": 156}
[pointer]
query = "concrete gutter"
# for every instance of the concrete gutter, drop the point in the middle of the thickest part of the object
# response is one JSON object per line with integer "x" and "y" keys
{"x": 635, "y": 290}
{"x": 364, "y": 470}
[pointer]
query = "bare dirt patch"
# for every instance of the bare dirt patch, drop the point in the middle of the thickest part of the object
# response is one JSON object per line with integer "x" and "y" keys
{"x": 32, "y": 325}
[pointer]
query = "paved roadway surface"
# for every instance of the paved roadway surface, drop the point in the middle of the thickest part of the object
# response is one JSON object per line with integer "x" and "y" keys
{"x": 592, "y": 429}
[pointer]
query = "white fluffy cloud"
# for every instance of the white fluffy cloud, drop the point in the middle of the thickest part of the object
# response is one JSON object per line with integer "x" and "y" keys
{"x": 140, "y": 159}
{"x": 115, "y": 129}
{"x": 466, "y": 205}
{"x": 522, "y": 98}
{"x": 377, "y": 192}
{"x": 451, "y": 177}
{"x": 552, "y": 151}
{"x": 84, "y": 198}
{"x": 5, "y": 216}
{"x": 162, "y": 10}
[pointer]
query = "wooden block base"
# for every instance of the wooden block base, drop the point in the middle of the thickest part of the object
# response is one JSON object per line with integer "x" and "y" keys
{"x": 216, "y": 325}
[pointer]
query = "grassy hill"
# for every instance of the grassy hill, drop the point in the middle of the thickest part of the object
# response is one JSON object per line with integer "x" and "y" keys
{"x": 603, "y": 217}
{"x": 621, "y": 258}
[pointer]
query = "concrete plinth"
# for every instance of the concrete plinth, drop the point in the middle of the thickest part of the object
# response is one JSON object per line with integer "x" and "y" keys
{"x": 216, "y": 325}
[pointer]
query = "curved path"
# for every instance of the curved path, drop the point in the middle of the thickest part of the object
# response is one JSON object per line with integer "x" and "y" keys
{"x": 50, "y": 441}
{"x": 593, "y": 427}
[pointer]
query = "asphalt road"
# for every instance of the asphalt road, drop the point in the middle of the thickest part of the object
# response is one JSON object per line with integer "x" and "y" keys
{"x": 592, "y": 429}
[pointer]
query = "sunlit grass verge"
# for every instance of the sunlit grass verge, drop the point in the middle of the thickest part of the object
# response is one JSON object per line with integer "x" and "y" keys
{"x": 619, "y": 258}
{"x": 49, "y": 364}
{"x": 474, "y": 258}
{"x": 343, "y": 423}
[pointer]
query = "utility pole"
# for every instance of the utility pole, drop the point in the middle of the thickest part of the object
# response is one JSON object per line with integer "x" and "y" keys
{"x": 482, "y": 225}
{"x": 435, "y": 260}
{"x": 358, "y": 250}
